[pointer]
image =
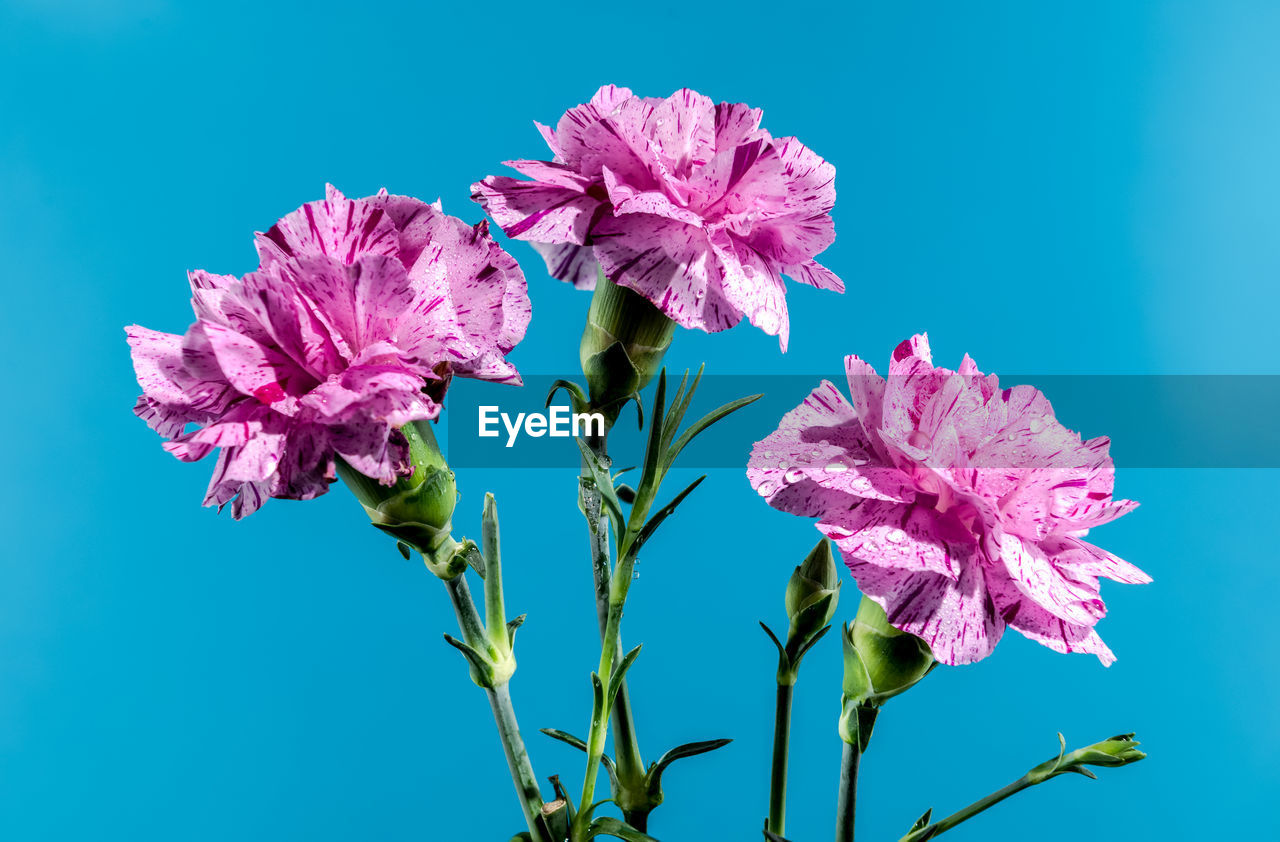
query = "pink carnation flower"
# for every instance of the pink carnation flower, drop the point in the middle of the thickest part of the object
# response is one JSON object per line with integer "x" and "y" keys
{"x": 689, "y": 203}
{"x": 960, "y": 507}
{"x": 360, "y": 312}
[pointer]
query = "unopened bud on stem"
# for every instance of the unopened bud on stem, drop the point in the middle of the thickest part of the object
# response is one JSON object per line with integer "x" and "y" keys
{"x": 622, "y": 345}
{"x": 812, "y": 595}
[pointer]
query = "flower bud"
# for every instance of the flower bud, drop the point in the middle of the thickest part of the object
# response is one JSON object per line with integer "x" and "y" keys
{"x": 879, "y": 661}
{"x": 1120, "y": 750}
{"x": 812, "y": 594}
{"x": 418, "y": 509}
{"x": 622, "y": 345}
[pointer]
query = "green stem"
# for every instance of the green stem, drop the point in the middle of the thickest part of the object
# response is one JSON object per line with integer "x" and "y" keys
{"x": 504, "y": 714}
{"x": 609, "y": 655}
{"x": 975, "y": 808}
{"x": 781, "y": 750}
{"x": 848, "y": 800}
{"x": 629, "y": 762}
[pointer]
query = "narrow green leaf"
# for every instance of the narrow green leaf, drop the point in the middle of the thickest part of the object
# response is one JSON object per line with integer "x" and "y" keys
{"x": 782, "y": 650}
{"x": 513, "y": 627}
{"x": 652, "y": 451}
{"x": 477, "y": 661}
{"x": 577, "y": 397}
{"x": 804, "y": 650}
{"x": 706, "y": 421}
{"x": 679, "y": 409}
{"x": 687, "y": 750}
{"x": 619, "y": 674}
{"x": 662, "y": 514}
{"x": 923, "y": 820}
{"x": 675, "y": 411}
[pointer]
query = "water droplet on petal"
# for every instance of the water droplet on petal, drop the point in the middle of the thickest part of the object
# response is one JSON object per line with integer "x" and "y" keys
{"x": 920, "y": 439}
{"x": 1036, "y": 425}
{"x": 895, "y": 536}
{"x": 793, "y": 475}
{"x": 837, "y": 468}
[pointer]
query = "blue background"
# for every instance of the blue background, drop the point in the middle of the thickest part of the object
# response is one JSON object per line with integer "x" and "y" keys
{"x": 1084, "y": 187}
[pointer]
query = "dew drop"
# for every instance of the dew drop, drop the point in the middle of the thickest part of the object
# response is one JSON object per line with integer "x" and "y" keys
{"x": 793, "y": 475}
{"x": 919, "y": 439}
{"x": 1036, "y": 425}
{"x": 895, "y": 536}
{"x": 837, "y": 468}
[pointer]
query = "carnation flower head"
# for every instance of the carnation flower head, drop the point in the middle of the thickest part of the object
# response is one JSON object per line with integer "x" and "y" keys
{"x": 356, "y": 318}
{"x": 689, "y": 203}
{"x": 959, "y": 507}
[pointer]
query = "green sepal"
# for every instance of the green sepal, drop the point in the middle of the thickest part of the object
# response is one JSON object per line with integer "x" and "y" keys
{"x": 482, "y": 669}
{"x": 770, "y": 836}
{"x": 617, "y": 828}
{"x": 856, "y": 723}
{"x": 880, "y": 661}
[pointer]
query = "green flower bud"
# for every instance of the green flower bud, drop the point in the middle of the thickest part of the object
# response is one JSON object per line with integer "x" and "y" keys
{"x": 879, "y": 661}
{"x": 1120, "y": 750}
{"x": 622, "y": 345}
{"x": 812, "y": 594}
{"x": 418, "y": 509}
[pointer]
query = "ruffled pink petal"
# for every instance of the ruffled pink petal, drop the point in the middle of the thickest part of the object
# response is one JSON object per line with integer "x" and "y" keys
{"x": 670, "y": 264}
{"x": 361, "y": 302}
{"x": 956, "y": 618}
{"x": 740, "y": 184}
{"x": 537, "y": 212}
{"x": 1037, "y": 579}
{"x": 470, "y": 302}
{"x": 367, "y": 447}
{"x": 567, "y": 262}
{"x": 626, "y": 200}
{"x": 569, "y": 131}
{"x": 903, "y": 536}
{"x": 172, "y": 396}
{"x": 551, "y": 174}
{"x": 1078, "y": 558}
{"x": 752, "y": 286}
{"x": 821, "y": 461}
{"x": 815, "y": 275}
{"x": 337, "y": 228}
{"x": 619, "y": 143}
{"x": 332, "y": 398}
{"x": 683, "y": 130}
{"x": 260, "y": 372}
{"x": 1035, "y": 623}
{"x": 737, "y": 124}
